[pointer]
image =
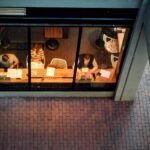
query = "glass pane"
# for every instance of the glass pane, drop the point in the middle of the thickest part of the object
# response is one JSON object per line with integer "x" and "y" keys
{"x": 100, "y": 57}
{"x": 53, "y": 51}
{"x": 13, "y": 49}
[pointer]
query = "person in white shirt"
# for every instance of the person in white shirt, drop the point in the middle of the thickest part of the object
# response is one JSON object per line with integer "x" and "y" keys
{"x": 37, "y": 56}
{"x": 37, "y": 53}
{"x": 9, "y": 61}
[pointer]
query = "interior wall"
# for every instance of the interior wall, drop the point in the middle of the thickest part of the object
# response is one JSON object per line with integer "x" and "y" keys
{"x": 89, "y": 37}
{"x": 67, "y": 46}
{"x": 18, "y": 46}
{"x": 66, "y": 50}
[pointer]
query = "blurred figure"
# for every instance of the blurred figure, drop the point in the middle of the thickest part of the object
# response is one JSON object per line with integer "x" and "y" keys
{"x": 87, "y": 66}
{"x": 9, "y": 61}
{"x": 37, "y": 54}
{"x": 37, "y": 57}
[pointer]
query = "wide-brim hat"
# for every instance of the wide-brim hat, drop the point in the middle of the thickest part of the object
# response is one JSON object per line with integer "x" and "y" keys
{"x": 99, "y": 43}
{"x": 110, "y": 32}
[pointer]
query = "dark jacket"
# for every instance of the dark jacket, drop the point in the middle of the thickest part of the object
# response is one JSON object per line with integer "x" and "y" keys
{"x": 81, "y": 61}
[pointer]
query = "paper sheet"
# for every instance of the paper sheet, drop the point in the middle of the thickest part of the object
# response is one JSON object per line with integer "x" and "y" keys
{"x": 37, "y": 65}
{"x": 85, "y": 69}
{"x": 50, "y": 72}
{"x": 3, "y": 74}
{"x": 105, "y": 73}
{"x": 14, "y": 73}
{"x": 18, "y": 73}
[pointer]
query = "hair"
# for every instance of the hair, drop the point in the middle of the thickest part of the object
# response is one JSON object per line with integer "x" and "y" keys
{"x": 5, "y": 57}
{"x": 87, "y": 56}
{"x": 37, "y": 47}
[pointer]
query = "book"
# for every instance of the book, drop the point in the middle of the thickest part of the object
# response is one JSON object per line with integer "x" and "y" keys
{"x": 14, "y": 73}
{"x": 50, "y": 72}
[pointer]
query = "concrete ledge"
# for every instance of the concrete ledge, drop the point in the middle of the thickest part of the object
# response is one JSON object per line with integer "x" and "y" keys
{"x": 57, "y": 94}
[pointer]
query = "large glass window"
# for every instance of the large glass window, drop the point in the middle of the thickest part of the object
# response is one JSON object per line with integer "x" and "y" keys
{"x": 61, "y": 58}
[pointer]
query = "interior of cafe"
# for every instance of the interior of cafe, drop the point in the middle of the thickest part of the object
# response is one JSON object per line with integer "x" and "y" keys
{"x": 61, "y": 58}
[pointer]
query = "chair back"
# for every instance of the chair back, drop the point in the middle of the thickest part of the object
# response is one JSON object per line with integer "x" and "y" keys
{"x": 59, "y": 63}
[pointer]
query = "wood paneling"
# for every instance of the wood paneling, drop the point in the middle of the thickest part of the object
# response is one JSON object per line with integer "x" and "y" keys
{"x": 66, "y": 50}
{"x": 53, "y": 32}
{"x": 89, "y": 37}
{"x": 67, "y": 46}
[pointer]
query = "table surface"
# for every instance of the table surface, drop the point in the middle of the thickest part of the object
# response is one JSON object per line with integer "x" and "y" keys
{"x": 61, "y": 76}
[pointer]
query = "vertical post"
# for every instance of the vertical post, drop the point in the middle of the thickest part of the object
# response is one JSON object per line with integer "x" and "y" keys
{"x": 29, "y": 58}
{"x": 147, "y": 29}
{"x": 130, "y": 52}
{"x": 76, "y": 59}
{"x": 136, "y": 70}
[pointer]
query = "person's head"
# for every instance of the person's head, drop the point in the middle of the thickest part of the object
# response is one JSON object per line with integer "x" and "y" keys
{"x": 87, "y": 56}
{"x": 5, "y": 57}
{"x": 36, "y": 47}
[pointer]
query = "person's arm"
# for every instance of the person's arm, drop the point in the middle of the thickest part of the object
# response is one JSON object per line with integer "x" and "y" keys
{"x": 41, "y": 51}
{"x": 15, "y": 62}
{"x": 95, "y": 66}
{"x": 78, "y": 70}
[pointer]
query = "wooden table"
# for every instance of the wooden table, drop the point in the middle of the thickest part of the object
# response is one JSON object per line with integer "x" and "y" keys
{"x": 61, "y": 76}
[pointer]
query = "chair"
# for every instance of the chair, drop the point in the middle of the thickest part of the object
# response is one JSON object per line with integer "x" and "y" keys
{"x": 59, "y": 63}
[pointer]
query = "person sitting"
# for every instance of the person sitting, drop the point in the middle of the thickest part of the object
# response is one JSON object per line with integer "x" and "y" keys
{"x": 9, "y": 61}
{"x": 37, "y": 53}
{"x": 87, "y": 66}
{"x": 37, "y": 57}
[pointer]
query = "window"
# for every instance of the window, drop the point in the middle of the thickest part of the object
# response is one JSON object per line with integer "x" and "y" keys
{"x": 59, "y": 58}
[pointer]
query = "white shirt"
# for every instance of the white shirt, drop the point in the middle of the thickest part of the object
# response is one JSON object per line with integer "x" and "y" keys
{"x": 12, "y": 59}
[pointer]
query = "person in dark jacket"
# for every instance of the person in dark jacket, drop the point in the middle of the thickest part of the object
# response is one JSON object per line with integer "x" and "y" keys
{"x": 87, "y": 65}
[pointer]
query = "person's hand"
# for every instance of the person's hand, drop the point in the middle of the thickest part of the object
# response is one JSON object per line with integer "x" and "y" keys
{"x": 11, "y": 66}
{"x": 83, "y": 73}
{"x": 35, "y": 60}
{"x": 88, "y": 75}
{"x": 92, "y": 71}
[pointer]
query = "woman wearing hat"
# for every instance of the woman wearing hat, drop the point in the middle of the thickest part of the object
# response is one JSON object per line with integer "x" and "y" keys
{"x": 37, "y": 53}
{"x": 37, "y": 57}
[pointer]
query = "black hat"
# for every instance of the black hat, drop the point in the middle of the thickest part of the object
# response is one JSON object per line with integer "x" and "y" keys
{"x": 109, "y": 32}
{"x": 99, "y": 43}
